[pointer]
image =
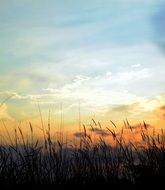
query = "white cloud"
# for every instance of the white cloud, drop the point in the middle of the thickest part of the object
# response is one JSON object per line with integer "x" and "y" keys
{"x": 97, "y": 92}
{"x": 138, "y": 69}
{"x": 102, "y": 90}
{"x": 136, "y": 65}
{"x": 98, "y": 78}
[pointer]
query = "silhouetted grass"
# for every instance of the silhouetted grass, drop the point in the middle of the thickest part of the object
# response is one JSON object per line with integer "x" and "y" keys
{"x": 117, "y": 162}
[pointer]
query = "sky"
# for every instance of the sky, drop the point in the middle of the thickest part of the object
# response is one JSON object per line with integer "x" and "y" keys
{"x": 103, "y": 58}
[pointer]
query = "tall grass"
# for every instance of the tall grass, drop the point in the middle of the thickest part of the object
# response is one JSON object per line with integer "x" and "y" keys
{"x": 113, "y": 161}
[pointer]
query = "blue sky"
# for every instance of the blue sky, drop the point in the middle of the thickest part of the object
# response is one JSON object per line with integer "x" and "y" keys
{"x": 104, "y": 52}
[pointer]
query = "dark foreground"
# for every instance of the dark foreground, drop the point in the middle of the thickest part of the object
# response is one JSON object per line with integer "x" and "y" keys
{"x": 151, "y": 184}
{"x": 50, "y": 165}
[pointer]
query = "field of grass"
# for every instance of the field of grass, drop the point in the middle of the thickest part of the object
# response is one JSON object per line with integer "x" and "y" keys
{"x": 112, "y": 163}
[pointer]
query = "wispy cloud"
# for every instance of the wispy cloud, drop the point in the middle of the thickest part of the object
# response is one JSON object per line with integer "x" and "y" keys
{"x": 4, "y": 113}
{"x": 100, "y": 132}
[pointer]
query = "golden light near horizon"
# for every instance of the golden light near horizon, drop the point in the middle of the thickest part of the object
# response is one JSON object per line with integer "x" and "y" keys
{"x": 66, "y": 63}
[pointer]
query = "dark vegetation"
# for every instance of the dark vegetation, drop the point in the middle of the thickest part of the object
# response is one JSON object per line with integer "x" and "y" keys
{"x": 116, "y": 163}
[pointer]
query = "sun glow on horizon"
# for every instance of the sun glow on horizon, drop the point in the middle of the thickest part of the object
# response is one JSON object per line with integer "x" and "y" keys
{"x": 73, "y": 61}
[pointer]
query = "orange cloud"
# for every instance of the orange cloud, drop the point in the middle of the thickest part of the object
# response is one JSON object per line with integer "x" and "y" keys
{"x": 162, "y": 108}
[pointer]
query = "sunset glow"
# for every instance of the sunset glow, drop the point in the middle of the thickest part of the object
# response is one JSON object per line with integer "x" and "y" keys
{"x": 64, "y": 63}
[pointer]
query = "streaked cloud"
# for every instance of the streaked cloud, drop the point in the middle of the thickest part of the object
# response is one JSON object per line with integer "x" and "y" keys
{"x": 100, "y": 132}
{"x": 78, "y": 134}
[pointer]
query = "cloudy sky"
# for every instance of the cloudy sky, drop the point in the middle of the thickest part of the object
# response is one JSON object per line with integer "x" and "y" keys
{"x": 105, "y": 56}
